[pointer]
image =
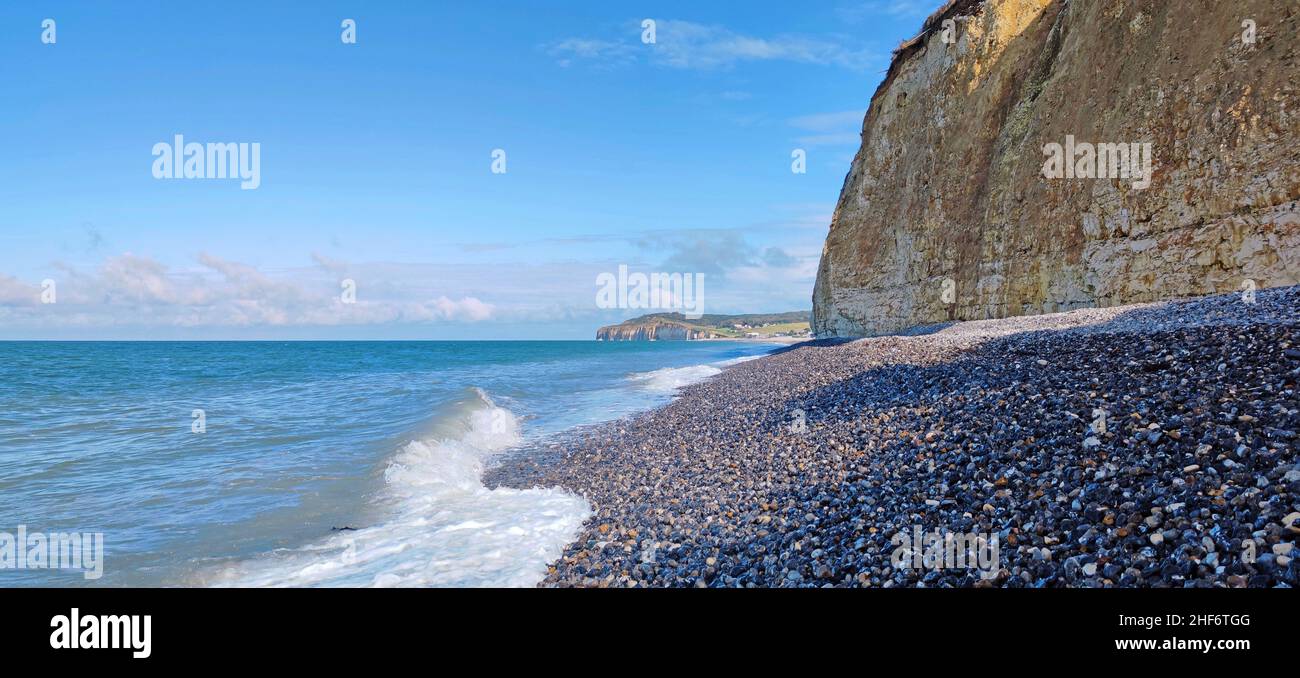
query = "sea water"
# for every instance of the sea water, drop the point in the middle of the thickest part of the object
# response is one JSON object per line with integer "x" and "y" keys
{"x": 311, "y": 463}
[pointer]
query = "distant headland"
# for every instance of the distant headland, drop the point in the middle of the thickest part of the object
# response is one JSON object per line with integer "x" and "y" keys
{"x": 675, "y": 326}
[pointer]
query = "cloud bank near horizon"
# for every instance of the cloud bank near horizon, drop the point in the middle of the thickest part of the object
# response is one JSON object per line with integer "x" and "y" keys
{"x": 212, "y": 293}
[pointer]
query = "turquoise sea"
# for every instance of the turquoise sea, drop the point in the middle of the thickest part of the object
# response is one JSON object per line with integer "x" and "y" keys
{"x": 230, "y": 463}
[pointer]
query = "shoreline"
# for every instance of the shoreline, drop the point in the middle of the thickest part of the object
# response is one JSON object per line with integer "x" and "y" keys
{"x": 982, "y": 427}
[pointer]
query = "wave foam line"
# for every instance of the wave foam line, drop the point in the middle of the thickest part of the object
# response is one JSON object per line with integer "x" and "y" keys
{"x": 671, "y": 379}
{"x": 449, "y": 530}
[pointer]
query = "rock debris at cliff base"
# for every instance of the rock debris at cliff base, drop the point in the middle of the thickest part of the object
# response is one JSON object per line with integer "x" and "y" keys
{"x": 978, "y": 427}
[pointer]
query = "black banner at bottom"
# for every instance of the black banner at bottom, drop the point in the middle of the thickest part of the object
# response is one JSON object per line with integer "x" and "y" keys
{"x": 147, "y": 628}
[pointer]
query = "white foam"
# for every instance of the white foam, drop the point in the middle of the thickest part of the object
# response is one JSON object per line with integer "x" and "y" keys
{"x": 669, "y": 379}
{"x": 737, "y": 361}
{"x": 447, "y": 528}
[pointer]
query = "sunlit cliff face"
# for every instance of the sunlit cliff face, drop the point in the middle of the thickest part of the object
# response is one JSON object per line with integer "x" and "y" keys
{"x": 946, "y": 213}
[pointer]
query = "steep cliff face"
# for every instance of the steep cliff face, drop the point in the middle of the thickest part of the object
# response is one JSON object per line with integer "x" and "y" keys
{"x": 651, "y": 331}
{"x": 946, "y": 213}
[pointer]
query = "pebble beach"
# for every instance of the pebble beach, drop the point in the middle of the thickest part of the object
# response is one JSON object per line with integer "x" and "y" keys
{"x": 1151, "y": 445}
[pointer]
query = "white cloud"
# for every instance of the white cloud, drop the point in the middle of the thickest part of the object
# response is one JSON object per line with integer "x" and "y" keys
{"x": 606, "y": 52}
{"x": 763, "y": 267}
{"x": 468, "y": 308}
{"x": 332, "y": 265}
{"x": 894, "y": 9}
{"x": 129, "y": 278}
{"x": 823, "y": 122}
{"x": 14, "y": 292}
{"x": 840, "y": 128}
{"x": 134, "y": 290}
{"x": 688, "y": 45}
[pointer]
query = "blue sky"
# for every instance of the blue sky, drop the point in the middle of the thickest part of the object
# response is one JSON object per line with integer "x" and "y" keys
{"x": 376, "y": 161}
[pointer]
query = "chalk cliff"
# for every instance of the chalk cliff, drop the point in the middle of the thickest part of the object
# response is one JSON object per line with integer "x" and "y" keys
{"x": 652, "y": 331}
{"x": 946, "y": 213}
